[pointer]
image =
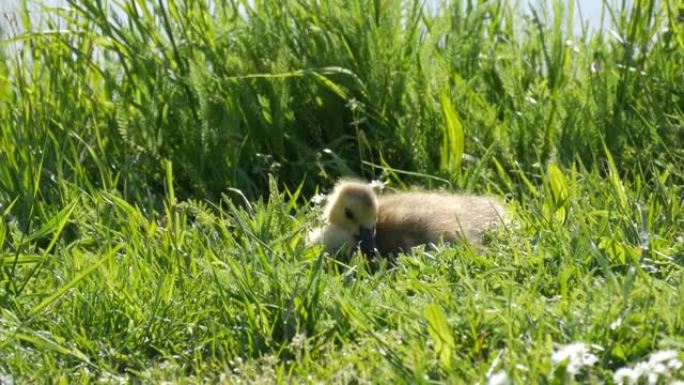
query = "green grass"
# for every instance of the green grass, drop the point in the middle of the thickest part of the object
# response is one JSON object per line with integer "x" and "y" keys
{"x": 156, "y": 170}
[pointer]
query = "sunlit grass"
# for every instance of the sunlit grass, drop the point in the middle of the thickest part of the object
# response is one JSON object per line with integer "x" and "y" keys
{"x": 156, "y": 170}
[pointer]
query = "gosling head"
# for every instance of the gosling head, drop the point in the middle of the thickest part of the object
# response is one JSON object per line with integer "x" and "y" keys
{"x": 353, "y": 208}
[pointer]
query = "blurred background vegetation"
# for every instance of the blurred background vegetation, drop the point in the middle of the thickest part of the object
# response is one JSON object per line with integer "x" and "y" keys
{"x": 229, "y": 92}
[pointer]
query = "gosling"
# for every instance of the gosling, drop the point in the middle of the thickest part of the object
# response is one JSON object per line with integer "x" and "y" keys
{"x": 397, "y": 222}
{"x": 350, "y": 217}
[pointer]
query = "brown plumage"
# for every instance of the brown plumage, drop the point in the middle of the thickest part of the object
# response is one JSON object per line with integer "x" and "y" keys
{"x": 402, "y": 220}
{"x": 409, "y": 219}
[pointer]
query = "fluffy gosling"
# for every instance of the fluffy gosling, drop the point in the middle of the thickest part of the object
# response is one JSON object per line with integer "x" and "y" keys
{"x": 396, "y": 222}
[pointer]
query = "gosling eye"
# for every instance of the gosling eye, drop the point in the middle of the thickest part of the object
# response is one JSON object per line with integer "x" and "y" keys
{"x": 349, "y": 214}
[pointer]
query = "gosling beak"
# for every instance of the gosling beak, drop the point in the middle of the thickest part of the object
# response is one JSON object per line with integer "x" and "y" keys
{"x": 367, "y": 239}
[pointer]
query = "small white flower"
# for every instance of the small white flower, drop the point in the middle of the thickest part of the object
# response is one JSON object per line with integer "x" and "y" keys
{"x": 664, "y": 356}
{"x": 659, "y": 369}
{"x": 499, "y": 378}
{"x": 575, "y": 355}
{"x": 298, "y": 341}
{"x": 568, "y": 351}
{"x": 661, "y": 364}
{"x": 642, "y": 368}
{"x": 318, "y": 199}
{"x": 378, "y": 184}
{"x": 353, "y": 104}
{"x": 625, "y": 376}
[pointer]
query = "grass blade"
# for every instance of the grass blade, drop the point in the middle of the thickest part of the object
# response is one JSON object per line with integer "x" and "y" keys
{"x": 74, "y": 281}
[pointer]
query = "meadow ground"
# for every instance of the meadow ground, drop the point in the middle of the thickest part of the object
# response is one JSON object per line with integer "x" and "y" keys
{"x": 157, "y": 161}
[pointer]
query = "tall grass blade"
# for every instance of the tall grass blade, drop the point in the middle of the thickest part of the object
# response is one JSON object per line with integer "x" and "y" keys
{"x": 453, "y": 138}
{"x": 615, "y": 181}
{"x": 440, "y": 333}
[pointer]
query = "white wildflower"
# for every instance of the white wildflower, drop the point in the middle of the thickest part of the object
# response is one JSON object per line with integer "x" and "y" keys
{"x": 354, "y": 104}
{"x": 499, "y": 378}
{"x": 665, "y": 356}
{"x": 576, "y": 356}
{"x": 378, "y": 184}
{"x": 625, "y": 376}
{"x": 298, "y": 341}
{"x": 318, "y": 199}
{"x": 661, "y": 364}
